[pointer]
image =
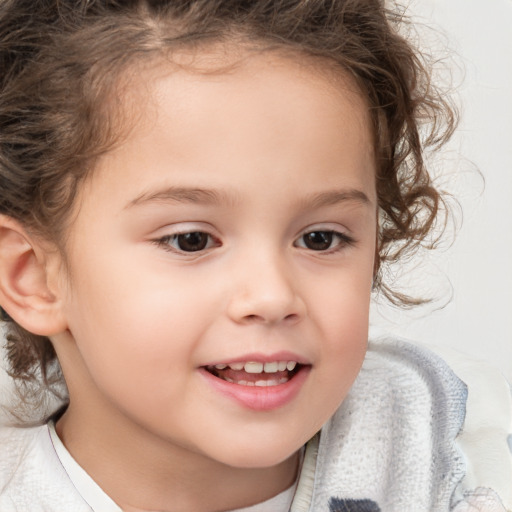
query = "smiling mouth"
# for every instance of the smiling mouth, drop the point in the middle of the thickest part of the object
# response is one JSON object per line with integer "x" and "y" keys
{"x": 257, "y": 374}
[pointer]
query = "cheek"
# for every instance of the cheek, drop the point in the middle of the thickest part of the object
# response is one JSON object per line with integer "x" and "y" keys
{"x": 344, "y": 322}
{"x": 147, "y": 324}
{"x": 342, "y": 347}
{"x": 345, "y": 302}
{"x": 137, "y": 349}
{"x": 117, "y": 325}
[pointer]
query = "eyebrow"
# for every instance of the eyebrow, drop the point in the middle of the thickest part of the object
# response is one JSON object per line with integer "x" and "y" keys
{"x": 333, "y": 197}
{"x": 182, "y": 195}
{"x": 212, "y": 197}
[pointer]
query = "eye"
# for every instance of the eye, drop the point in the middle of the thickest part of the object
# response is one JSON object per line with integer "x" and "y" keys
{"x": 193, "y": 241}
{"x": 323, "y": 240}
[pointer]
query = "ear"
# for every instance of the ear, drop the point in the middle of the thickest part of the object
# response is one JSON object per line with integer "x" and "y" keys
{"x": 25, "y": 270}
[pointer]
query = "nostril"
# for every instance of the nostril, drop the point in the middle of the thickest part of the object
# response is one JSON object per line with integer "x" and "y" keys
{"x": 292, "y": 317}
{"x": 265, "y": 308}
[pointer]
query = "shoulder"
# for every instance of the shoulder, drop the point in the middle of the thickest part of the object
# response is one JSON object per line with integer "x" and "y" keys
{"x": 399, "y": 437}
{"x": 18, "y": 447}
{"x": 486, "y": 435}
{"x": 471, "y": 406}
{"x": 31, "y": 476}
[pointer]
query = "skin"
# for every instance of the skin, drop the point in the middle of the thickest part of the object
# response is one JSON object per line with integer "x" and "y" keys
{"x": 281, "y": 150}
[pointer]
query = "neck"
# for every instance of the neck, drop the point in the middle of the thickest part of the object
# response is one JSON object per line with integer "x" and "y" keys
{"x": 142, "y": 472}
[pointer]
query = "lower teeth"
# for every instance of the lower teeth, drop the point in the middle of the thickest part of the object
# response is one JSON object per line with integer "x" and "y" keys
{"x": 258, "y": 383}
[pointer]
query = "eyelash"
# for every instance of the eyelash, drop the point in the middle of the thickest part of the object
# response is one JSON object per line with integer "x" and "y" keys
{"x": 328, "y": 235}
{"x": 166, "y": 242}
{"x": 343, "y": 240}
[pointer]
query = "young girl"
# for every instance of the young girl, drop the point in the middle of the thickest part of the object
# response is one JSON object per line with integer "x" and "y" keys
{"x": 196, "y": 200}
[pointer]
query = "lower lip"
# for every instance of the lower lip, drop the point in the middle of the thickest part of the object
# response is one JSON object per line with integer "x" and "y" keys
{"x": 260, "y": 398}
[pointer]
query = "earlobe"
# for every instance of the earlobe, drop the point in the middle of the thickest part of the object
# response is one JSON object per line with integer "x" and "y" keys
{"x": 24, "y": 291}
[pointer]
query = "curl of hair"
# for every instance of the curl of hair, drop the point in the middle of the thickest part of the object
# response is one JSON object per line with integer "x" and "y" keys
{"x": 62, "y": 60}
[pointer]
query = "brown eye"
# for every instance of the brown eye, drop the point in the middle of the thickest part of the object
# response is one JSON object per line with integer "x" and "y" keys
{"x": 187, "y": 242}
{"x": 191, "y": 242}
{"x": 327, "y": 241}
{"x": 318, "y": 240}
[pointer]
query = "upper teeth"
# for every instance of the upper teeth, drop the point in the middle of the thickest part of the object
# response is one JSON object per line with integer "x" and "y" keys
{"x": 255, "y": 367}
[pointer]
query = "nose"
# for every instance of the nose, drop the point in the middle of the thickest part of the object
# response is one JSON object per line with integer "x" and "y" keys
{"x": 265, "y": 291}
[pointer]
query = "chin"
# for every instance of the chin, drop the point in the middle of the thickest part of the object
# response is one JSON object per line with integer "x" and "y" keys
{"x": 254, "y": 457}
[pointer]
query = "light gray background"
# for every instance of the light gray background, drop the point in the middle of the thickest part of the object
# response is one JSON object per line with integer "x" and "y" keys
{"x": 478, "y": 266}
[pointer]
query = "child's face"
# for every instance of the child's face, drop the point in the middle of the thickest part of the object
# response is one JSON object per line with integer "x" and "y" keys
{"x": 236, "y": 224}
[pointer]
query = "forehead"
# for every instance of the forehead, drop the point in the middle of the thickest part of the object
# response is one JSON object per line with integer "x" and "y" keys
{"x": 205, "y": 109}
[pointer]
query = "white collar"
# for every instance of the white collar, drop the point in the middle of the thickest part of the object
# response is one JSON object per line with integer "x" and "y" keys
{"x": 88, "y": 489}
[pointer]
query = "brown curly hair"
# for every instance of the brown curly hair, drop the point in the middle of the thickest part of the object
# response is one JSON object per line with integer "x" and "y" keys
{"x": 62, "y": 60}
